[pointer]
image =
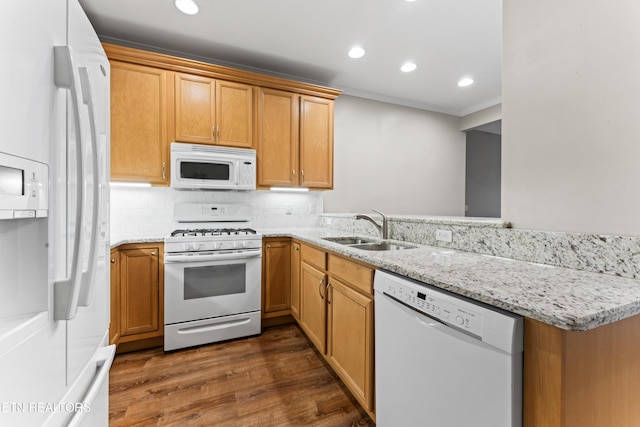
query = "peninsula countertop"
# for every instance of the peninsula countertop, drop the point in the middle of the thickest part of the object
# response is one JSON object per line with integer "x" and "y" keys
{"x": 569, "y": 299}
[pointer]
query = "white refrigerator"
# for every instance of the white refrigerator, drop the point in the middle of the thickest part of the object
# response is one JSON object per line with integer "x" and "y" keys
{"x": 54, "y": 217}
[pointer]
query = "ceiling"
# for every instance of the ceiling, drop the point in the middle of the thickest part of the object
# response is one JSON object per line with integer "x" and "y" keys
{"x": 308, "y": 40}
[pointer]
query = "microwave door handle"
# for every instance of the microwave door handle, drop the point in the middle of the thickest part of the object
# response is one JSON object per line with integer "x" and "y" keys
{"x": 67, "y": 290}
{"x": 237, "y": 180}
{"x": 87, "y": 281}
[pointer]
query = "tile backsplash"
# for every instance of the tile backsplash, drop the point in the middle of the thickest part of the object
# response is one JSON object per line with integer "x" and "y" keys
{"x": 148, "y": 212}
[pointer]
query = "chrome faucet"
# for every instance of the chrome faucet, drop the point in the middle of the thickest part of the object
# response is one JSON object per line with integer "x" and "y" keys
{"x": 383, "y": 229}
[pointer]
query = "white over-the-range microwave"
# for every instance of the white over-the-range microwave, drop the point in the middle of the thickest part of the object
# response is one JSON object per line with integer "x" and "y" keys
{"x": 208, "y": 167}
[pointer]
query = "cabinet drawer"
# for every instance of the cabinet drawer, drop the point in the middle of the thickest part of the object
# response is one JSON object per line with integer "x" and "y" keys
{"x": 314, "y": 256}
{"x": 356, "y": 275}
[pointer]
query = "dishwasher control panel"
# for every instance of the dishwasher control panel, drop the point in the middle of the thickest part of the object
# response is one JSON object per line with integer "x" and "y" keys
{"x": 437, "y": 305}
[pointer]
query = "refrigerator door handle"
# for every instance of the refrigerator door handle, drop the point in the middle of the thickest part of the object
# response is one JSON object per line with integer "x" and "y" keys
{"x": 87, "y": 279}
{"x": 67, "y": 290}
{"x": 102, "y": 374}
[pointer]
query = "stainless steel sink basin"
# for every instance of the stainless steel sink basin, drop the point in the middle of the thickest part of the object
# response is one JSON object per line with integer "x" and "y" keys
{"x": 350, "y": 240}
{"x": 383, "y": 246}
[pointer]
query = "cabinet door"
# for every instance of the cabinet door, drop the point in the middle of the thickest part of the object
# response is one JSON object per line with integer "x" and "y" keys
{"x": 350, "y": 340}
{"x": 316, "y": 142}
{"x": 139, "y": 145}
{"x": 140, "y": 292}
{"x": 195, "y": 109}
{"x": 295, "y": 280}
{"x": 114, "y": 325}
{"x": 277, "y": 148}
{"x": 234, "y": 114}
{"x": 277, "y": 271}
{"x": 313, "y": 310}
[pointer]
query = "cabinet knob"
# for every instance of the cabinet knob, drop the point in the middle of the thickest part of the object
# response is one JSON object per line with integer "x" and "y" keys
{"x": 296, "y": 248}
{"x": 113, "y": 260}
{"x": 268, "y": 246}
{"x": 153, "y": 253}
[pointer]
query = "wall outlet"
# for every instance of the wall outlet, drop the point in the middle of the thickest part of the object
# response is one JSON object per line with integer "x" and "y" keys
{"x": 444, "y": 235}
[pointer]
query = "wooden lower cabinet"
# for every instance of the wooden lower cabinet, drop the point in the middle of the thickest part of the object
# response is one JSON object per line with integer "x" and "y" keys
{"x": 313, "y": 310}
{"x": 336, "y": 313}
{"x": 350, "y": 339}
{"x": 276, "y": 273}
{"x": 585, "y": 379}
{"x": 114, "y": 325}
{"x": 137, "y": 279}
{"x": 296, "y": 265}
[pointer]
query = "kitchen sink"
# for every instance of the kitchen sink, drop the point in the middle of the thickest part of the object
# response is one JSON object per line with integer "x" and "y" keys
{"x": 368, "y": 244}
{"x": 350, "y": 240}
{"x": 383, "y": 246}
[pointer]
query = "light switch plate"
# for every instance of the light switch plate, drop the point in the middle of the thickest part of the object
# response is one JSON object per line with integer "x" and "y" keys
{"x": 444, "y": 235}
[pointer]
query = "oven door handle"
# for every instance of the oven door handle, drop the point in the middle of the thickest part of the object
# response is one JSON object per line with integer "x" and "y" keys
{"x": 195, "y": 257}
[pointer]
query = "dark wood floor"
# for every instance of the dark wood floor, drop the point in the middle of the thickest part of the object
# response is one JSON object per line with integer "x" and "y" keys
{"x": 276, "y": 379}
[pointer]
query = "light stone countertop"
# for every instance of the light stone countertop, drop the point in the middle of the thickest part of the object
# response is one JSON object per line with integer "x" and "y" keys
{"x": 115, "y": 242}
{"x": 569, "y": 299}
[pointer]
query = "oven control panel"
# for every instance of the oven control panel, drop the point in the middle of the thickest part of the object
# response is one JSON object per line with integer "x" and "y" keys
{"x": 223, "y": 245}
{"x": 436, "y": 305}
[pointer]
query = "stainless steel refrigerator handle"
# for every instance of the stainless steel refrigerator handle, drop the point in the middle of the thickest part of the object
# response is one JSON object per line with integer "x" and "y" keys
{"x": 87, "y": 282}
{"x": 66, "y": 291}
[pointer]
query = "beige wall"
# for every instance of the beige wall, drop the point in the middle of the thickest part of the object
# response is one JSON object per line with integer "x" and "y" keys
{"x": 396, "y": 159}
{"x": 571, "y": 116}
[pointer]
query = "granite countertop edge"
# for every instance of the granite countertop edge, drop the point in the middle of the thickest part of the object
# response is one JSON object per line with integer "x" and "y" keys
{"x": 119, "y": 241}
{"x": 570, "y": 299}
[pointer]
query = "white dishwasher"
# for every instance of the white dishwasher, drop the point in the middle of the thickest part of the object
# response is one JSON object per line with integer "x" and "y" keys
{"x": 444, "y": 360}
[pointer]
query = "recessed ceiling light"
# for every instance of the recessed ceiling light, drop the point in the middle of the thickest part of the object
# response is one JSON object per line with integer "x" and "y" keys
{"x": 408, "y": 67}
{"x": 187, "y": 6}
{"x": 466, "y": 81}
{"x": 356, "y": 52}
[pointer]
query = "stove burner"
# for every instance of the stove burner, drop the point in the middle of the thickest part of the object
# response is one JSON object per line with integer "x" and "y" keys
{"x": 203, "y": 232}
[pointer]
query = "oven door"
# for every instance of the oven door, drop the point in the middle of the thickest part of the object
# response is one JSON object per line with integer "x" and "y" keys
{"x": 206, "y": 285}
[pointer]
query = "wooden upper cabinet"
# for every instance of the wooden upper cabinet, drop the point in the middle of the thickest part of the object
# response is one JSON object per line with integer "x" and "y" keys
{"x": 277, "y": 148}
{"x": 295, "y": 140}
{"x": 154, "y": 102}
{"x": 195, "y": 109}
{"x": 139, "y": 127}
{"x": 234, "y": 106}
{"x": 316, "y": 142}
{"x": 209, "y": 111}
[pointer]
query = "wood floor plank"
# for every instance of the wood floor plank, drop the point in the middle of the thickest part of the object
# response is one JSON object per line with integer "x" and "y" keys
{"x": 275, "y": 379}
